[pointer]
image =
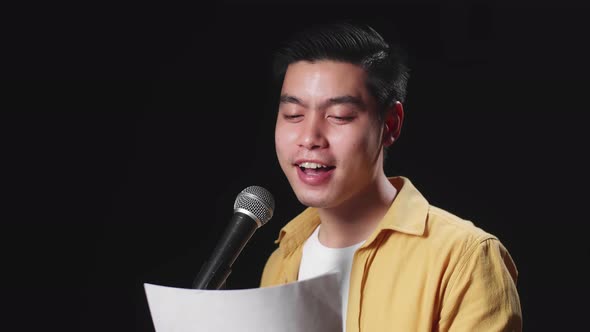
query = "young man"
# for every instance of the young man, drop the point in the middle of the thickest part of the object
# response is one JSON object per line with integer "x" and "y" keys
{"x": 405, "y": 265}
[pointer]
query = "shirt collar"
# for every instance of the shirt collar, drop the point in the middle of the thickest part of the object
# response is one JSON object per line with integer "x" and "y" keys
{"x": 407, "y": 214}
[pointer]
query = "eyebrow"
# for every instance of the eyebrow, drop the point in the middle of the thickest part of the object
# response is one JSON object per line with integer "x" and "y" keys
{"x": 288, "y": 99}
{"x": 346, "y": 99}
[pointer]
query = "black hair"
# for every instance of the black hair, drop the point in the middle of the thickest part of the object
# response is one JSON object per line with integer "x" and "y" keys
{"x": 387, "y": 72}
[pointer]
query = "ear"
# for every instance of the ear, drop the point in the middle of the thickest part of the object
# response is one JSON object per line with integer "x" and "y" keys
{"x": 392, "y": 124}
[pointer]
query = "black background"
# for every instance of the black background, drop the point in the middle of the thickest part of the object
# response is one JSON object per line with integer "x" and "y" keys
{"x": 132, "y": 128}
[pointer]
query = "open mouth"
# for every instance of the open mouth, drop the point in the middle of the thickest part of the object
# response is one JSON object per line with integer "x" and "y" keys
{"x": 311, "y": 168}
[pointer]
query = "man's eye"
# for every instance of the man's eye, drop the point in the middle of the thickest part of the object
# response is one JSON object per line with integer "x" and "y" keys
{"x": 342, "y": 118}
{"x": 291, "y": 117}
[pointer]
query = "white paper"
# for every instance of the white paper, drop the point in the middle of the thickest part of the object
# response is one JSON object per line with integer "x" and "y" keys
{"x": 311, "y": 305}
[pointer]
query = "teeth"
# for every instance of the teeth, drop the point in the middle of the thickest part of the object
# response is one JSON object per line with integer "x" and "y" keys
{"x": 312, "y": 165}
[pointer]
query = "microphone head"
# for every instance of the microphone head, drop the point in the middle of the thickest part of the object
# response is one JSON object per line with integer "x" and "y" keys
{"x": 256, "y": 202}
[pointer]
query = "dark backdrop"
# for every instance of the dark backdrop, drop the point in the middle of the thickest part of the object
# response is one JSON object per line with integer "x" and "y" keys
{"x": 134, "y": 126}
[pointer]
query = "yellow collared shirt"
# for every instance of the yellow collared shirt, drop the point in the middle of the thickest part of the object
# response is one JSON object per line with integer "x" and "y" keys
{"x": 422, "y": 269}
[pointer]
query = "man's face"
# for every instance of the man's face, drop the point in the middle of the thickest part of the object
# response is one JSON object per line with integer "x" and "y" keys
{"x": 328, "y": 136}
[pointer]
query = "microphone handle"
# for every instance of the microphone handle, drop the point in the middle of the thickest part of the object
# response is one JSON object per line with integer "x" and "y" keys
{"x": 216, "y": 270}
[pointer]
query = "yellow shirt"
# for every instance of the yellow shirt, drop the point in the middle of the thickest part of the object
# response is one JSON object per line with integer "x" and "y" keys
{"x": 422, "y": 269}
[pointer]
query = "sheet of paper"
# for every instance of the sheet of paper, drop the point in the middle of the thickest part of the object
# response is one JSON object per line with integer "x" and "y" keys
{"x": 311, "y": 305}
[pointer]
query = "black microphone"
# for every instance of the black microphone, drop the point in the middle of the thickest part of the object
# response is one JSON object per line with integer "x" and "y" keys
{"x": 253, "y": 207}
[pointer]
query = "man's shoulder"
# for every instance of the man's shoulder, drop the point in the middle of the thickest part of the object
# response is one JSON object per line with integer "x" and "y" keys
{"x": 450, "y": 241}
{"x": 445, "y": 226}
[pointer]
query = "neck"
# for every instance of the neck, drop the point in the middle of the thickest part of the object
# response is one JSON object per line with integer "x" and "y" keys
{"x": 355, "y": 219}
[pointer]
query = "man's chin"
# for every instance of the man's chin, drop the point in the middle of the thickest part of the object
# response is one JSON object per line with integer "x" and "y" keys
{"x": 312, "y": 201}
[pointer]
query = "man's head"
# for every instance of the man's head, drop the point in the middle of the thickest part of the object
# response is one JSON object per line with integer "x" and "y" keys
{"x": 340, "y": 105}
{"x": 387, "y": 73}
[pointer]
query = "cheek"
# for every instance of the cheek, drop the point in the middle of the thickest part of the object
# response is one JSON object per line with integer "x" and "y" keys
{"x": 285, "y": 135}
{"x": 357, "y": 147}
{"x": 279, "y": 140}
{"x": 352, "y": 142}
{"x": 281, "y": 143}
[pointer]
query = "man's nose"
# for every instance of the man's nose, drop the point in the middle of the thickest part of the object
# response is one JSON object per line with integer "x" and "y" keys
{"x": 313, "y": 134}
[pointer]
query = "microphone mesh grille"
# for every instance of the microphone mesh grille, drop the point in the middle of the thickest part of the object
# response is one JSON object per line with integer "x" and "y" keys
{"x": 257, "y": 201}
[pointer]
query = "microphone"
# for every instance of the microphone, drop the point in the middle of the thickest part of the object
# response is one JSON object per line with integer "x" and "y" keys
{"x": 253, "y": 207}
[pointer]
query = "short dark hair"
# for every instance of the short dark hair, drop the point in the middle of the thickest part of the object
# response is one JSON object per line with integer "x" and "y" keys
{"x": 385, "y": 65}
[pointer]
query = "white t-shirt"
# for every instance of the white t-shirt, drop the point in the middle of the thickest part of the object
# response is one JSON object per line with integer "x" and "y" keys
{"x": 318, "y": 259}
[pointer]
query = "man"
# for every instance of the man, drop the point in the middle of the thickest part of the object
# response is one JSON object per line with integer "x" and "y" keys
{"x": 405, "y": 265}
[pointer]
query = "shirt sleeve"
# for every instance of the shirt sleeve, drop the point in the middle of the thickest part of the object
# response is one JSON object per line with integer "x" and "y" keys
{"x": 482, "y": 295}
